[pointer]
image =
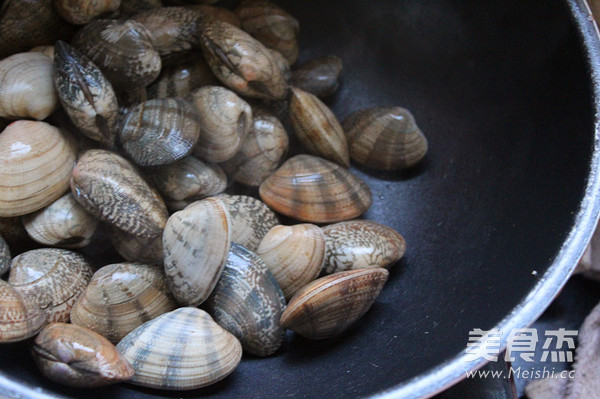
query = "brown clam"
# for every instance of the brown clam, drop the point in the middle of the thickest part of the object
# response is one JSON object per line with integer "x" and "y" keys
{"x": 121, "y": 297}
{"x": 110, "y": 188}
{"x": 5, "y": 257}
{"x": 180, "y": 350}
{"x": 319, "y": 76}
{"x": 75, "y": 356}
{"x": 47, "y": 50}
{"x": 317, "y": 128}
{"x": 64, "y": 223}
{"x": 53, "y": 278}
{"x": 329, "y": 305}
{"x": 27, "y": 87}
{"x": 385, "y": 138}
{"x": 361, "y": 244}
{"x": 20, "y": 317}
{"x": 137, "y": 249}
{"x": 312, "y": 189}
{"x": 196, "y": 242}
{"x": 132, "y": 7}
{"x": 220, "y": 13}
{"x": 159, "y": 131}
{"x": 294, "y": 254}
{"x": 81, "y": 12}
{"x": 36, "y": 160}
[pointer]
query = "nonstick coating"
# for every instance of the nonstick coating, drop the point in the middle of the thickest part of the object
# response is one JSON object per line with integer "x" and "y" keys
{"x": 504, "y": 93}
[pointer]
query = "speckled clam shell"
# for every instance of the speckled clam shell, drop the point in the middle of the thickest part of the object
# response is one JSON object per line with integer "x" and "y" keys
{"x": 5, "y": 257}
{"x": 312, "y": 189}
{"x": 329, "y": 305}
{"x": 385, "y": 138}
{"x": 181, "y": 350}
{"x": 121, "y": 297}
{"x": 53, "y": 278}
{"x": 81, "y": 12}
{"x": 294, "y": 254}
{"x": 85, "y": 94}
{"x": 137, "y": 249}
{"x": 248, "y": 302}
{"x": 251, "y": 219}
{"x": 77, "y": 357}
{"x": 196, "y": 242}
{"x": 160, "y": 131}
{"x": 110, "y": 188}
{"x": 36, "y": 160}
{"x": 20, "y": 317}
{"x": 220, "y": 13}
{"x": 361, "y": 244}
{"x": 225, "y": 120}
{"x": 319, "y": 76}
{"x": 317, "y": 128}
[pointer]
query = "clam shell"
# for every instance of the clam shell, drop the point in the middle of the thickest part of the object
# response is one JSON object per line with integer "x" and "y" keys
{"x": 132, "y": 7}
{"x": 294, "y": 254}
{"x": 109, "y": 187}
{"x": 317, "y": 128}
{"x": 121, "y": 297}
{"x": 64, "y": 223}
{"x": 47, "y": 50}
{"x": 160, "y": 131}
{"x": 282, "y": 63}
{"x": 20, "y": 317}
{"x": 329, "y": 305}
{"x": 196, "y": 242}
{"x": 314, "y": 190}
{"x": 77, "y": 357}
{"x": 248, "y": 302}
{"x": 385, "y": 138}
{"x": 52, "y": 278}
{"x": 81, "y": 12}
{"x": 319, "y": 76}
{"x": 361, "y": 244}
{"x": 5, "y": 257}
{"x": 220, "y": 13}
{"x": 137, "y": 249}
{"x": 36, "y": 161}
{"x": 180, "y": 350}
{"x": 27, "y": 87}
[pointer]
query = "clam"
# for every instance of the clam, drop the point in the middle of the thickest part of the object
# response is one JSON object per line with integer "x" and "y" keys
{"x": 248, "y": 302}
{"x": 260, "y": 154}
{"x": 317, "y": 128}
{"x": 385, "y": 138}
{"x": 53, "y": 278}
{"x": 47, "y": 50}
{"x": 132, "y": 7}
{"x": 26, "y": 86}
{"x": 361, "y": 244}
{"x": 121, "y": 297}
{"x": 64, "y": 223}
{"x": 122, "y": 49}
{"x": 137, "y": 249}
{"x": 20, "y": 317}
{"x": 159, "y": 131}
{"x": 36, "y": 160}
{"x": 319, "y": 76}
{"x": 180, "y": 350}
{"x": 220, "y": 13}
{"x": 78, "y": 357}
{"x": 196, "y": 242}
{"x": 251, "y": 219}
{"x": 5, "y": 257}
{"x": 225, "y": 120}
{"x": 81, "y": 12}
{"x": 329, "y": 305}
{"x": 312, "y": 189}
{"x": 241, "y": 62}
{"x": 294, "y": 254}
{"x": 85, "y": 94}
{"x": 282, "y": 63}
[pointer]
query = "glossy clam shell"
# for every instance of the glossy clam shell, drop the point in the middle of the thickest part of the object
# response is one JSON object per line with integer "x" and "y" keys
{"x": 312, "y": 189}
{"x": 181, "y": 350}
{"x": 121, "y": 297}
{"x": 361, "y": 244}
{"x": 248, "y": 302}
{"x": 319, "y": 76}
{"x": 196, "y": 242}
{"x": 5, "y": 257}
{"x": 294, "y": 254}
{"x": 77, "y": 357}
{"x": 137, "y": 249}
{"x": 81, "y": 12}
{"x": 36, "y": 160}
{"x": 20, "y": 317}
{"x": 385, "y": 138}
{"x": 53, "y": 278}
{"x": 329, "y": 305}
{"x": 110, "y": 188}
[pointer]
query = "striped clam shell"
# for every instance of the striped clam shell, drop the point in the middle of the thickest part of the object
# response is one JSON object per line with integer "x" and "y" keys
{"x": 137, "y": 249}
{"x": 121, "y": 297}
{"x": 5, "y": 257}
{"x": 180, "y": 350}
{"x": 312, "y": 189}
{"x": 20, "y": 317}
{"x": 319, "y": 76}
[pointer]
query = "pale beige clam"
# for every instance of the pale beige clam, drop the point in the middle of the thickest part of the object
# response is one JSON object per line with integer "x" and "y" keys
{"x": 137, "y": 249}
{"x": 20, "y": 317}
{"x": 47, "y": 50}
{"x": 181, "y": 350}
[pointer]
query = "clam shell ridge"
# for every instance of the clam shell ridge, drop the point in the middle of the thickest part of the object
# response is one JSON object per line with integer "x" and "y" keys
{"x": 20, "y": 317}
{"x": 181, "y": 350}
{"x": 312, "y": 189}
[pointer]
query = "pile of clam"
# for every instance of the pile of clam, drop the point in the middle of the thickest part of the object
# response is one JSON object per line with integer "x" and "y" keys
{"x": 134, "y": 118}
